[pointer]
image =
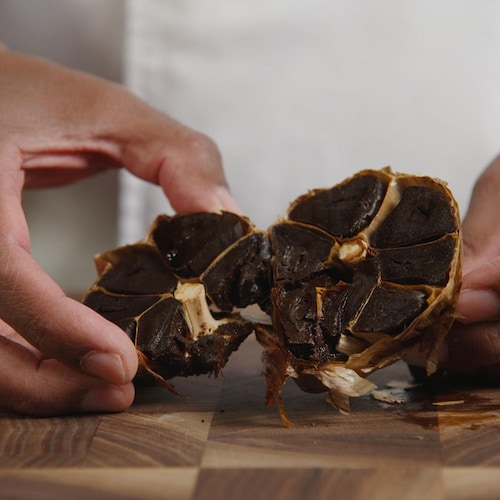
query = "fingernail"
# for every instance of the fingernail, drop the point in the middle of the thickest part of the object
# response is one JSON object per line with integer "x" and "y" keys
{"x": 107, "y": 366}
{"x": 103, "y": 398}
{"x": 227, "y": 201}
{"x": 478, "y": 305}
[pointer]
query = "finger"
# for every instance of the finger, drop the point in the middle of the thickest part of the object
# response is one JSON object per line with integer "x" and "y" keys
{"x": 417, "y": 356}
{"x": 59, "y": 326}
{"x": 52, "y": 170}
{"x": 479, "y": 299}
{"x": 9, "y": 333}
{"x": 480, "y": 225}
{"x": 472, "y": 347}
{"x": 111, "y": 123}
{"x": 471, "y": 351}
{"x": 186, "y": 164}
{"x": 34, "y": 306}
{"x": 193, "y": 178}
{"x": 45, "y": 387}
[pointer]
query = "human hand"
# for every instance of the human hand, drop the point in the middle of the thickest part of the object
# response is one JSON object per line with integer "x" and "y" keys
{"x": 56, "y": 355}
{"x": 472, "y": 347}
{"x": 480, "y": 297}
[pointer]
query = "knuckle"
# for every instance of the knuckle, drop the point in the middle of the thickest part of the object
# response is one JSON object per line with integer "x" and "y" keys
{"x": 492, "y": 271}
{"x": 487, "y": 182}
{"x": 30, "y": 405}
{"x": 471, "y": 248}
{"x": 25, "y": 401}
{"x": 485, "y": 276}
{"x": 201, "y": 147}
{"x": 492, "y": 342}
{"x": 37, "y": 332}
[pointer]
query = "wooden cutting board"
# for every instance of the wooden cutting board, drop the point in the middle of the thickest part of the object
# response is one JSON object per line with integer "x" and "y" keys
{"x": 220, "y": 442}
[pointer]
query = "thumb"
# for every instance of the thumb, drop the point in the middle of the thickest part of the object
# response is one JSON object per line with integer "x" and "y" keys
{"x": 480, "y": 296}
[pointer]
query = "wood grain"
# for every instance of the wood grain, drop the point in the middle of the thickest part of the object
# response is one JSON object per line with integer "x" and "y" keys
{"x": 325, "y": 484}
{"x": 45, "y": 442}
{"x": 220, "y": 441}
{"x": 103, "y": 483}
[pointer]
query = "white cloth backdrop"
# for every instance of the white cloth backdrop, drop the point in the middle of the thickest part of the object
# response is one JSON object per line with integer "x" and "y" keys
{"x": 300, "y": 94}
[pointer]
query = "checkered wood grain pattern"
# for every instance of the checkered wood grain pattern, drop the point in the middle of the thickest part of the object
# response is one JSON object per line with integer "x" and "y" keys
{"x": 220, "y": 442}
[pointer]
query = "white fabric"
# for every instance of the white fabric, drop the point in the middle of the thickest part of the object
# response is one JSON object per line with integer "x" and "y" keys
{"x": 300, "y": 94}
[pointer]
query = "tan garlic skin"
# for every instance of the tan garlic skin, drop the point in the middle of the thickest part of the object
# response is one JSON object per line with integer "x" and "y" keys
{"x": 363, "y": 271}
